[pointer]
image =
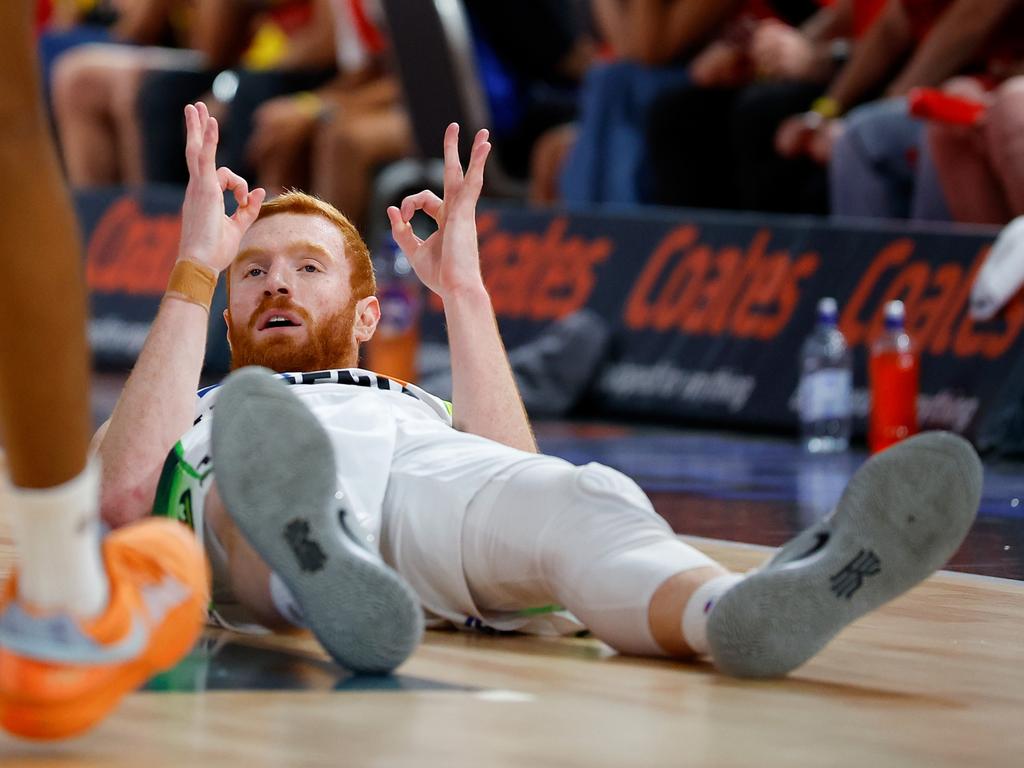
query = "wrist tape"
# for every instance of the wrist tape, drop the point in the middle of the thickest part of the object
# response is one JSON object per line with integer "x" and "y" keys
{"x": 192, "y": 282}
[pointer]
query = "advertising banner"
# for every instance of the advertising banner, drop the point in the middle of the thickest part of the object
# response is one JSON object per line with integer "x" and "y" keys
{"x": 707, "y": 310}
{"x": 131, "y": 243}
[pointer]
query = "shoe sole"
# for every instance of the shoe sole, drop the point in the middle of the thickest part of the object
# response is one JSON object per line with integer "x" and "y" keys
{"x": 275, "y": 470}
{"x": 902, "y": 516}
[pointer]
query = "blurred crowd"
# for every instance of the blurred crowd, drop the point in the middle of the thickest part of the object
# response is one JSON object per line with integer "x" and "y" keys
{"x": 875, "y": 108}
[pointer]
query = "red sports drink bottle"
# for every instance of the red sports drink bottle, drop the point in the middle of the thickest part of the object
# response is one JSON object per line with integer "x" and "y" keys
{"x": 893, "y": 375}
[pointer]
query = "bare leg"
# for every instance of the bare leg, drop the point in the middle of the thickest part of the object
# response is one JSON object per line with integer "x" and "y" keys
{"x": 963, "y": 163}
{"x": 123, "y": 97}
{"x": 1006, "y": 139}
{"x": 287, "y": 165}
{"x": 248, "y": 574}
{"x": 347, "y": 151}
{"x": 665, "y": 614}
{"x": 81, "y": 93}
{"x": 44, "y": 374}
{"x": 547, "y": 160}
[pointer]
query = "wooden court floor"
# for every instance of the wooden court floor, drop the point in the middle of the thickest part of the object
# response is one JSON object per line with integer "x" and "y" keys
{"x": 936, "y": 678}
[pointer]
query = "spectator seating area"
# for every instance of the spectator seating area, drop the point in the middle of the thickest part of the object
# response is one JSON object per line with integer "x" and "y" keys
{"x": 612, "y": 123}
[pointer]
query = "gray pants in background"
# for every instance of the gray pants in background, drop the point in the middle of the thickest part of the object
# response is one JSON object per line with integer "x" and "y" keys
{"x": 881, "y": 167}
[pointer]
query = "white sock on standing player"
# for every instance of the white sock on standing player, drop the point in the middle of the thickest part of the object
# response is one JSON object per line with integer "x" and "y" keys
{"x": 695, "y": 615}
{"x": 57, "y": 537}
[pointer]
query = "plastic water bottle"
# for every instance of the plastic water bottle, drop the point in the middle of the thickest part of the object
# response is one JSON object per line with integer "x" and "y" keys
{"x": 826, "y": 385}
{"x": 893, "y": 375}
{"x": 393, "y": 349}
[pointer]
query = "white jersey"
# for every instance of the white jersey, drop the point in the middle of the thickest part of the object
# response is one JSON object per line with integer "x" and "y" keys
{"x": 338, "y": 397}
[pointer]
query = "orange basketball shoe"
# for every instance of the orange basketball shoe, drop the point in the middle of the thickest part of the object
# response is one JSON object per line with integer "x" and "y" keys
{"x": 60, "y": 675}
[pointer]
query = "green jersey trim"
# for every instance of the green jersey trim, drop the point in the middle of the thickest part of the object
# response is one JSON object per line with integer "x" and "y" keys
{"x": 540, "y": 610}
{"x": 174, "y": 491}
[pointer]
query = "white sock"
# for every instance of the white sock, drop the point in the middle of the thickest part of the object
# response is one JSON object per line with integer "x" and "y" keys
{"x": 57, "y": 537}
{"x": 695, "y": 615}
{"x": 285, "y": 603}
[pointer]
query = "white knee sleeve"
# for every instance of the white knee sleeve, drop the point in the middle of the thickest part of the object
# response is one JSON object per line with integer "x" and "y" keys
{"x": 609, "y": 578}
{"x": 584, "y": 537}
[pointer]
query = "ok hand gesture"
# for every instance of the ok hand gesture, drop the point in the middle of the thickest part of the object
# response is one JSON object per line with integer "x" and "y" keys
{"x": 447, "y": 262}
{"x": 207, "y": 234}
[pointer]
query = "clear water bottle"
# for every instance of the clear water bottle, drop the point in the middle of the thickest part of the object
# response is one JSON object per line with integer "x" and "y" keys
{"x": 826, "y": 385}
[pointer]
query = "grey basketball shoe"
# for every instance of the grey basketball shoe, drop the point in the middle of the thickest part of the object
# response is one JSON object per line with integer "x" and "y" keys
{"x": 902, "y": 516}
{"x": 276, "y": 475}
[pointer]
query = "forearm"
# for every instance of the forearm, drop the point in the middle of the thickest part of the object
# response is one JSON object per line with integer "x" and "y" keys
{"x": 220, "y": 31}
{"x": 953, "y": 42}
{"x": 155, "y": 409}
{"x": 143, "y": 22}
{"x": 830, "y": 22}
{"x": 609, "y": 18}
{"x": 873, "y": 58}
{"x": 313, "y": 47}
{"x": 485, "y": 399}
{"x": 689, "y": 25}
{"x": 645, "y": 27}
{"x": 373, "y": 92}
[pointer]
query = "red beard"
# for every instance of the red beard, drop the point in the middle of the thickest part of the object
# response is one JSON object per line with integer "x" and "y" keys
{"x": 329, "y": 343}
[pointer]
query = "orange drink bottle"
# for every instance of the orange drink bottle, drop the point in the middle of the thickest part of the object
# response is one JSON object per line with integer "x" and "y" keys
{"x": 394, "y": 347}
{"x": 893, "y": 376}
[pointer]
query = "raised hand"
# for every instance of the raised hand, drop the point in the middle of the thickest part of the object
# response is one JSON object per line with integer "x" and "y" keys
{"x": 793, "y": 136}
{"x": 208, "y": 235}
{"x": 448, "y": 261}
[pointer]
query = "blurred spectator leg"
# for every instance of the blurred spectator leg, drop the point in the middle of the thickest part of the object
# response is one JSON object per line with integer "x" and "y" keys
{"x": 609, "y": 160}
{"x": 286, "y": 163}
{"x": 872, "y": 170}
{"x": 688, "y": 140}
{"x": 53, "y": 45}
{"x": 964, "y": 166}
{"x": 254, "y": 88}
{"x": 927, "y": 197}
{"x": 123, "y": 95}
{"x": 583, "y": 178}
{"x": 547, "y": 162}
{"x": 1006, "y": 139}
{"x": 124, "y": 104}
{"x": 84, "y": 83}
{"x": 348, "y": 150}
{"x": 765, "y": 180}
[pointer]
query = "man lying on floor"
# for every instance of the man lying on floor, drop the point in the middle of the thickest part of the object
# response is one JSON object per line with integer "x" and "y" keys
{"x": 341, "y": 500}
